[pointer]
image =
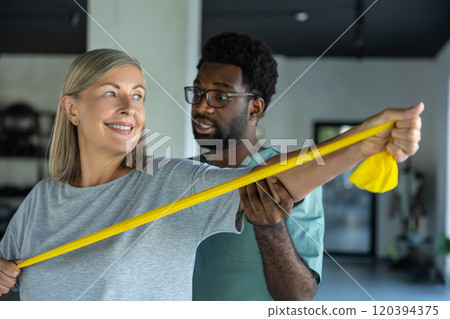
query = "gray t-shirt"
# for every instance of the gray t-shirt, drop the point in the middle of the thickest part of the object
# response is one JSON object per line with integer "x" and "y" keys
{"x": 151, "y": 262}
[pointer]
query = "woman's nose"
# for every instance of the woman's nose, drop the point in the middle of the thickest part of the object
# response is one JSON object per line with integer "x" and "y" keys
{"x": 127, "y": 107}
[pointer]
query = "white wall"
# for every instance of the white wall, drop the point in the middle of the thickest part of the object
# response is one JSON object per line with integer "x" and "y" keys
{"x": 442, "y": 134}
{"x": 165, "y": 37}
{"x": 352, "y": 90}
{"x": 33, "y": 78}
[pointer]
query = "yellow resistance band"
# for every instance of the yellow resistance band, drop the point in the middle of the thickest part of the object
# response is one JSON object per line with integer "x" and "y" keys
{"x": 205, "y": 195}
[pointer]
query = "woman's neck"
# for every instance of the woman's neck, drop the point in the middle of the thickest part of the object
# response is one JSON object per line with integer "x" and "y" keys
{"x": 97, "y": 170}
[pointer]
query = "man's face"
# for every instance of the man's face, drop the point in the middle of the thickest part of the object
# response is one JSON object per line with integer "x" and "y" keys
{"x": 229, "y": 122}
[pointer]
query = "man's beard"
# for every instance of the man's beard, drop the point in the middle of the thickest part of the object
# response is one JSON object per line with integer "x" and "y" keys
{"x": 230, "y": 132}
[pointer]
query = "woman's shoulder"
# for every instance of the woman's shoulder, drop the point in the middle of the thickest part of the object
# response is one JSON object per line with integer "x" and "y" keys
{"x": 164, "y": 165}
{"x": 44, "y": 185}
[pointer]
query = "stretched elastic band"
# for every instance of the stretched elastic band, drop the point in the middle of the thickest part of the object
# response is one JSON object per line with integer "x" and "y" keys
{"x": 205, "y": 195}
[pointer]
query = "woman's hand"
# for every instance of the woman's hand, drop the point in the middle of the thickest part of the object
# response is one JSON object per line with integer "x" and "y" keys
{"x": 402, "y": 140}
{"x": 8, "y": 275}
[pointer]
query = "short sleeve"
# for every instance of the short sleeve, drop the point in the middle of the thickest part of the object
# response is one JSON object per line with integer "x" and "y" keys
{"x": 10, "y": 249}
{"x": 12, "y": 244}
{"x": 218, "y": 214}
{"x": 9, "y": 244}
{"x": 306, "y": 228}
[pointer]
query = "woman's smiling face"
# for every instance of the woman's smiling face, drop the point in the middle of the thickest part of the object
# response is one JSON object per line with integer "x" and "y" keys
{"x": 111, "y": 111}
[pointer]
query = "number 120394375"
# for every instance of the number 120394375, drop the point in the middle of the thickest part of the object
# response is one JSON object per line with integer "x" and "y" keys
{"x": 405, "y": 310}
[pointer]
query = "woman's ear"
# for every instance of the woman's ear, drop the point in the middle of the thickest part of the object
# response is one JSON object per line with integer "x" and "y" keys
{"x": 256, "y": 108}
{"x": 70, "y": 108}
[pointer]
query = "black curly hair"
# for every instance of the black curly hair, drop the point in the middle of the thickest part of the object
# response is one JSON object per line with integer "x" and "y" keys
{"x": 259, "y": 68}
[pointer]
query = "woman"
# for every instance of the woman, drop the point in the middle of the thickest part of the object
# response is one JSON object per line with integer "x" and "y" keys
{"x": 101, "y": 107}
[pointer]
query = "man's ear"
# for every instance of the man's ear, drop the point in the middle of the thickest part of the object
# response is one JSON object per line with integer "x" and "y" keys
{"x": 257, "y": 106}
{"x": 70, "y": 108}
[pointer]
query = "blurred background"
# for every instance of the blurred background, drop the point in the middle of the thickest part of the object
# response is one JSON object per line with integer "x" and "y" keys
{"x": 342, "y": 60}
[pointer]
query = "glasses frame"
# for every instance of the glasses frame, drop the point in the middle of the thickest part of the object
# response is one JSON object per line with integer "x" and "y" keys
{"x": 206, "y": 94}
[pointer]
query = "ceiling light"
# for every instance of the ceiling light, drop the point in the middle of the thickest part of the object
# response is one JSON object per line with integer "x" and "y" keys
{"x": 301, "y": 16}
{"x": 75, "y": 19}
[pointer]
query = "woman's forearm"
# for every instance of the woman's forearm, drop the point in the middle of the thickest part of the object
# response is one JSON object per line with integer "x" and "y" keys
{"x": 303, "y": 179}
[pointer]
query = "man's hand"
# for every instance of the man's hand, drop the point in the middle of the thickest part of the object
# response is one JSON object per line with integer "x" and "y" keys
{"x": 266, "y": 202}
{"x": 401, "y": 141}
{"x": 8, "y": 275}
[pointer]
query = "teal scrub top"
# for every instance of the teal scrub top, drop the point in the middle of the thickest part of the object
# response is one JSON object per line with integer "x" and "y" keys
{"x": 229, "y": 266}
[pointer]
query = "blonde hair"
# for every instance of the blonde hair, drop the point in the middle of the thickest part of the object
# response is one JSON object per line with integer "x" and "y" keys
{"x": 64, "y": 158}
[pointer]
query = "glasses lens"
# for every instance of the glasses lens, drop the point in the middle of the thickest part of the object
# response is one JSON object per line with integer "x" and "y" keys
{"x": 192, "y": 95}
{"x": 217, "y": 98}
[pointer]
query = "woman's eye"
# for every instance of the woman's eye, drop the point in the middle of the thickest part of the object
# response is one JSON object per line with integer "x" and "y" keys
{"x": 110, "y": 93}
{"x": 137, "y": 96}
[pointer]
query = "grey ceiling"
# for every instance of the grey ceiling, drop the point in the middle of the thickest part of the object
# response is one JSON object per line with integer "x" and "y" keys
{"x": 42, "y": 26}
{"x": 390, "y": 28}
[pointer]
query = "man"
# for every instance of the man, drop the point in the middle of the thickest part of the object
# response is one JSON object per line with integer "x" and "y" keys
{"x": 283, "y": 262}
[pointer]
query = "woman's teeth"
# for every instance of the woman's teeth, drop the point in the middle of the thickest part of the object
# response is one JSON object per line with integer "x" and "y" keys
{"x": 120, "y": 127}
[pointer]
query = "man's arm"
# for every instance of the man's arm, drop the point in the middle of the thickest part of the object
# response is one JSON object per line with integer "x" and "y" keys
{"x": 287, "y": 276}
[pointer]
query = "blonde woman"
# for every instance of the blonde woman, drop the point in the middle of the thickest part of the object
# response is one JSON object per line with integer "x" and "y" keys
{"x": 101, "y": 108}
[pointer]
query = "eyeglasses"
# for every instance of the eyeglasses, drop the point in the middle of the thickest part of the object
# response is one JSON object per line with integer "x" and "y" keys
{"x": 214, "y": 98}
